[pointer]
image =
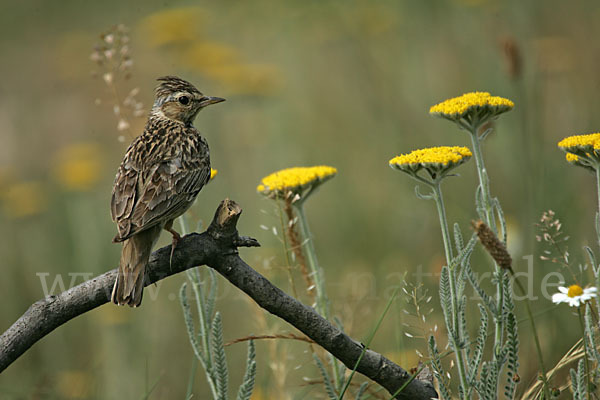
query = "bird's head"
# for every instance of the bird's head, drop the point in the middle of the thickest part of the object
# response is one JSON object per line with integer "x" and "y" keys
{"x": 179, "y": 100}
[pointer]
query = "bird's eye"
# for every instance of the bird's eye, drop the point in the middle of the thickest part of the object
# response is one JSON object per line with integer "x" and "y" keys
{"x": 184, "y": 100}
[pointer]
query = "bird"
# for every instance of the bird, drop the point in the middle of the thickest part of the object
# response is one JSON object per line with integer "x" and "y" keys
{"x": 161, "y": 174}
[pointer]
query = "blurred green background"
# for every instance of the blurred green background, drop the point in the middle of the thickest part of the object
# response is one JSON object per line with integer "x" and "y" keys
{"x": 341, "y": 83}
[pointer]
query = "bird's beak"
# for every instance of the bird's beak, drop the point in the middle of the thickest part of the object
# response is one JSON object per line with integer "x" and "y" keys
{"x": 206, "y": 101}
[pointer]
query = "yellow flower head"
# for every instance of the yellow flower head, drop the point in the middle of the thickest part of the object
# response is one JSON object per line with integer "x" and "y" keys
{"x": 475, "y": 104}
{"x": 586, "y": 142}
{"x": 78, "y": 167}
{"x": 295, "y": 181}
{"x": 572, "y": 158}
{"x": 436, "y": 161}
{"x": 23, "y": 199}
{"x": 173, "y": 26}
{"x": 582, "y": 150}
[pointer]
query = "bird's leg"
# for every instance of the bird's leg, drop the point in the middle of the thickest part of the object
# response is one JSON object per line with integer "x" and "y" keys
{"x": 176, "y": 239}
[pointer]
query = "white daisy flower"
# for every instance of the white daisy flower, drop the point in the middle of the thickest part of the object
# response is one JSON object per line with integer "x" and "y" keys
{"x": 575, "y": 295}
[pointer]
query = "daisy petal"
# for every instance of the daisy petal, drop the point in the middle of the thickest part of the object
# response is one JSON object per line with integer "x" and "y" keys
{"x": 563, "y": 289}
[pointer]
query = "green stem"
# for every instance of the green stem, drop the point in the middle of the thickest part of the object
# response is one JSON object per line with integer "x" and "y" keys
{"x": 190, "y": 387}
{"x": 194, "y": 277}
{"x": 585, "y": 352}
{"x": 286, "y": 252}
{"x": 368, "y": 343}
{"x": 311, "y": 258}
{"x": 315, "y": 270}
{"x": 535, "y": 338}
{"x": 454, "y": 331}
{"x": 439, "y": 201}
{"x": 483, "y": 179}
{"x": 491, "y": 222}
{"x": 598, "y": 189}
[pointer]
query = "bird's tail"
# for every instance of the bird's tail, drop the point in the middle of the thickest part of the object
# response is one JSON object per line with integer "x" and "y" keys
{"x": 129, "y": 285}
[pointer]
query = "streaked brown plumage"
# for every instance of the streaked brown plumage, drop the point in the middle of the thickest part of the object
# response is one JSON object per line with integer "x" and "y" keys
{"x": 162, "y": 172}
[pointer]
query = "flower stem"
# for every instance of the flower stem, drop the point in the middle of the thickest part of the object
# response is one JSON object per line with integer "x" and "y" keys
{"x": 439, "y": 201}
{"x": 454, "y": 331}
{"x": 311, "y": 257}
{"x": 491, "y": 222}
{"x": 483, "y": 179}
{"x": 284, "y": 243}
{"x": 322, "y": 305}
{"x": 598, "y": 189}
{"x": 585, "y": 351}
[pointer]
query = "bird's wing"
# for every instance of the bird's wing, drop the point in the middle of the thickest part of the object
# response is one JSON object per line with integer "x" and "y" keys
{"x": 163, "y": 191}
{"x": 125, "y": 194}
{"x": 170, "y": 191}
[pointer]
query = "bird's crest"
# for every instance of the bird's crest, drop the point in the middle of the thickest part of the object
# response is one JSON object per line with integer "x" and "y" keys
{"x": 172, "y": 84}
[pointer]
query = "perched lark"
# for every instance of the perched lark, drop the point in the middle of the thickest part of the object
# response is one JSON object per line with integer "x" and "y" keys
{"x": 161, "y": 174}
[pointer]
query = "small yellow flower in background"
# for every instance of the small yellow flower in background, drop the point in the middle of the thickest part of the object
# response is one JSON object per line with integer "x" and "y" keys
{"x": 180, "y": 31}
{"x": 437, "y": 161}
{"x": 248, "y": 79}
{"x": 173, "y": 26}
{"x": 206, "y": 55}
{"x": 481, "y": 105}
{"x": 23, "y": 199}
{"x": 582, "y": 150}
{"x": 224, "y": 64}
{"x": 78, "y": 166}
{"x": 298, "y": 181}
{"x": 574, "y": 295}
{"x": 213, "y": 173}
{"x": 259, "y": 394}
{"x": 6, "y": 176}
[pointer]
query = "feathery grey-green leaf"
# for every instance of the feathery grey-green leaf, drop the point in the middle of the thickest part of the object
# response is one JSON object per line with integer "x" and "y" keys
{"x": 475, "y": 361}
{"x": 220, "y": 363}
{"x": 487, "y": 300}
{"x": 458, "y": 238}
{"x": 445, "y": 299}
{"x": 189, "y": 322}
{"x": 326, "y": 381}
{"x": 512, "y": 343}
{"x": 500, "y": 214}
{"x": 438, "y": 370}
{"x": 361, "y": 390}
{"x": 247, "y": 386}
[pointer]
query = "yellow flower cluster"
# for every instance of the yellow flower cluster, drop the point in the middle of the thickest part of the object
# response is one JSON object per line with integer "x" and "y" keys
{"x": 443, "y": 155}
{"x": 572, "y": 158}
{"x": 458, "y": 107}
{"x": 180, "y": 32}
{"x": 435, "y": 160}
{"x": 78, "y": 167}
{"x": 24, "y": 199}
{"x": 295, "y": 180}
{"x": 579, "y": 141}
{"x": 173, "y": 26}
{"x": 582, "y": 150}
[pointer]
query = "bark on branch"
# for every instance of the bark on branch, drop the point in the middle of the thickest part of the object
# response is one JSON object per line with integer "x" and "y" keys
{"x": 217, "y": 248}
